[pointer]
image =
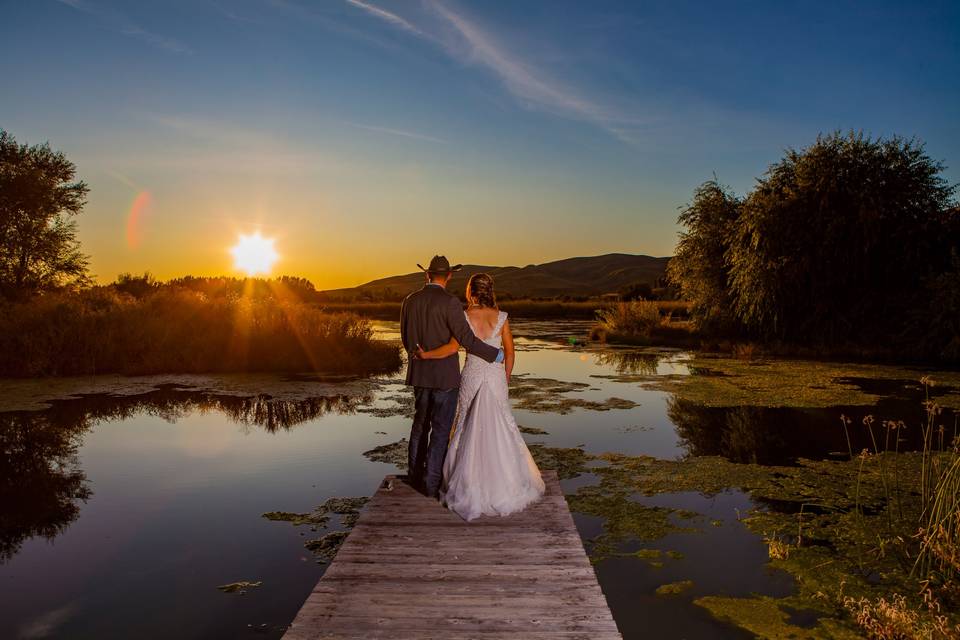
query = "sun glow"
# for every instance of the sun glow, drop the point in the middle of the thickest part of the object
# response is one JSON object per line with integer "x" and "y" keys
{"x": 254, "y": 254}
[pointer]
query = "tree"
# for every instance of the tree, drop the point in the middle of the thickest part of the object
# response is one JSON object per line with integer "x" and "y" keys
{"x": 137, "y": 286}
{"x": 835, "y": 240}
{"x": 699, "y": 267}
{"x": 39, "y": 250}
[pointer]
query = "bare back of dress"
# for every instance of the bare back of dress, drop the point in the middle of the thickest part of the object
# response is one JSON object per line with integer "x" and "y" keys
{"x": 488, "y": 470}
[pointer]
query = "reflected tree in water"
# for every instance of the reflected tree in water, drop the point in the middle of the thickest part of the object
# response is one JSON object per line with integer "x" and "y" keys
{"x": 42, "y": 485}
{"x": 780, "y": 435}
{"x": 41, "y": 482}
{"x": 627, "y": 362}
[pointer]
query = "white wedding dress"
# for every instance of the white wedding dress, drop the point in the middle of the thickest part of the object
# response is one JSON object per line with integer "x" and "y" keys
{"x": 488, "y": 470}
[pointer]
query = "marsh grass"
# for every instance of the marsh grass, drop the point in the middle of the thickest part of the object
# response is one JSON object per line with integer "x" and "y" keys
{"x": 176, "y": 330}
{"x": 641, "y": 322}
{"x": 931, "y": 510}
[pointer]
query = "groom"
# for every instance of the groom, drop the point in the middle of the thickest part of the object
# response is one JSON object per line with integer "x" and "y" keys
{"x": 429, "y": 318}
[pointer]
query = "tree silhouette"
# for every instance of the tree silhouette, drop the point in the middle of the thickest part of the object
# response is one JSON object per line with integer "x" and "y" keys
{"x": 38, "y": 195}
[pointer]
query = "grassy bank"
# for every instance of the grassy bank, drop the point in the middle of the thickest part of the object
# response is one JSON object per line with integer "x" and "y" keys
{"x": 176, "y": 330}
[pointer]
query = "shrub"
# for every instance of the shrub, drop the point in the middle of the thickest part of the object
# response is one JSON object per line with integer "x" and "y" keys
{"x": 636, "y": 319}
{"x": 180, "y": 331}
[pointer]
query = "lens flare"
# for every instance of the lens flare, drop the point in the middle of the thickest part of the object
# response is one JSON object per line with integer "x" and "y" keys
{"x": 135, "y": 219}
{"x": 254, "y": 254}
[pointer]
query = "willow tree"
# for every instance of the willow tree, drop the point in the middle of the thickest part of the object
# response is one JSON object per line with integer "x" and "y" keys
{"x": 699, "y": 267}
{"x": 39, "y": 197}
{"x": 836, "y": 241}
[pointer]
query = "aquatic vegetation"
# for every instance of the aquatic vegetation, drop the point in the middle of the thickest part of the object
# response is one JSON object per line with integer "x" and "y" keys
{"x": 895, "y": 618}
{"x": 402, "y": 405}
{"x": 844, "y": 529}
{"x": 716, "y": 381}
{"x": 674, "y": 588}
{"x": 624, "y": 519}
{"x": 394, "y": 453}
{"x": 251, "y": 398}
{"x": 766, "y": 618}
{"x": 239, "y": 587}
{"x": 567, "y": 462}
{"x": 535, "y": 431}
{"x": 326, "y": 546}
{"x": 343, "y": 506}
{"x": 545, "y": 395}
{"x": 316, "y": 518}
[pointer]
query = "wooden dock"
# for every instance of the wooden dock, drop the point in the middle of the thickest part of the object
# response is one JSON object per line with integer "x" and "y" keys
{"x": 411, "y": 569}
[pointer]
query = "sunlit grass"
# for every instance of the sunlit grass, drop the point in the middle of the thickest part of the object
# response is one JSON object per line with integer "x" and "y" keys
{"x": 174, "y": 330}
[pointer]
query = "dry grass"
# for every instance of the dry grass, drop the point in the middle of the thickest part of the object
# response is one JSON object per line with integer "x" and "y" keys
{"x": 180, "y": 331}
{"x": 642, "y": 322}
{"x": 895, "y": 619}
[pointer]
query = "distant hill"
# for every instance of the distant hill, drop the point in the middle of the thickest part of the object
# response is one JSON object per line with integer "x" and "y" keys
{"x": 588, "y": 276}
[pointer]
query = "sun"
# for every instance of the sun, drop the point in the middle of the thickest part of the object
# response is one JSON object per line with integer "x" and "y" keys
{"x": 254, "y": 254}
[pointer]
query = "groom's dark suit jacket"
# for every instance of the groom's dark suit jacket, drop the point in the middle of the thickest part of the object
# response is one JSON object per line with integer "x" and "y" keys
{"x": 430, "y": 317}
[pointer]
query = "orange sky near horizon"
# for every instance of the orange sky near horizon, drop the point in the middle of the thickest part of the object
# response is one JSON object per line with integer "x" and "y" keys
{"x": 338, "y": 238}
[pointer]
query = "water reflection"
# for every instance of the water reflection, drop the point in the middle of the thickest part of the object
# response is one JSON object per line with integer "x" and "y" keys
{"x": 781, "y": 435}
{"x": 634, "y": 363}
{"x": 172, "y": 403}
{"x": 41, "y": 482}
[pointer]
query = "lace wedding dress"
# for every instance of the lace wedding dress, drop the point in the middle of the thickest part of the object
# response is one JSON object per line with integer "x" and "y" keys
{"x": 488, "y": 470}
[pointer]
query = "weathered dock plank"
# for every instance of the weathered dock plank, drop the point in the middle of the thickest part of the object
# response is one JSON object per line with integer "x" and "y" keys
{"x": 412, "y": 570}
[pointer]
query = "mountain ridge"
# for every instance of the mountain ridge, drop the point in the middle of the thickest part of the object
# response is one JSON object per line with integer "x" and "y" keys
{"x": 582, "y": 276}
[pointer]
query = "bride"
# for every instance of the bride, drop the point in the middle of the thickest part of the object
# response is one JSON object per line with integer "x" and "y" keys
{"x": 488, "y": 469}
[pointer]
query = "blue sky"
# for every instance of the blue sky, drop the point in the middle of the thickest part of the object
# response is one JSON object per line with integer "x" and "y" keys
{"x": 366, "y": 136}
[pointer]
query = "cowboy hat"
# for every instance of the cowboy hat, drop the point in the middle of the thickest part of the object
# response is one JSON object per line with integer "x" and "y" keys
{"x": 440, "y": 264}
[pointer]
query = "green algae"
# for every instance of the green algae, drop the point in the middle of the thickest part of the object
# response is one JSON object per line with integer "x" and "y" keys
{"x": 325, "y": 547}
{"x": 343, "y": 506}
{"x": 567, "y": 462}
{"x": 545, "y": 395}
{"x": 674, "y": 588}
{"x": 765, "y": 617}
{"x": 296, "y": 519}
{"x": 625, "y": 519}
{"x": 725, "y": 382}
{"x": 394, "y": 453}
{"x": 676, "y": 555}
{"x": 239, "y": 587}
{"x": 847, "y": 531}
{"x": 533, "y": 431}
{"x": 320, "y": 516}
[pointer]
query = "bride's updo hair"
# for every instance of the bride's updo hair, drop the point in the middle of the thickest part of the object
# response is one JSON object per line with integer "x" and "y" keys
{"x": 480, "y": 290}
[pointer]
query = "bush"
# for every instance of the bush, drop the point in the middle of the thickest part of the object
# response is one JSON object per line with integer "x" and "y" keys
{"x": 831, "y": 250}
{"x": 180, "y": 331}
{"x": 636, "y": 319}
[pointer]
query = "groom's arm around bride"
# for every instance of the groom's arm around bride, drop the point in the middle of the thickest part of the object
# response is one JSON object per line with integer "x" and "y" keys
{"x": 428, "y": 319}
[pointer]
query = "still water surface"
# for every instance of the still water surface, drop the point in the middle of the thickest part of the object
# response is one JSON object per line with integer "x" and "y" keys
{"x": 123, "y": 514}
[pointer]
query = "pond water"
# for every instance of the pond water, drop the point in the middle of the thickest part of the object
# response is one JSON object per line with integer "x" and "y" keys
{"x": 122, "y": 512}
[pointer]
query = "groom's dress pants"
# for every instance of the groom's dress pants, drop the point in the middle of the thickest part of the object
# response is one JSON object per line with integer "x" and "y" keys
{"x": 429, "y": 437}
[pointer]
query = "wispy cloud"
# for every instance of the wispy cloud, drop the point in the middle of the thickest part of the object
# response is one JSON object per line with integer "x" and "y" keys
{"x": 125, "y": 26}
{"x": 398, "y": 132}
{"x": 533, "y": 87}
{"x": 388, "y": 16}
